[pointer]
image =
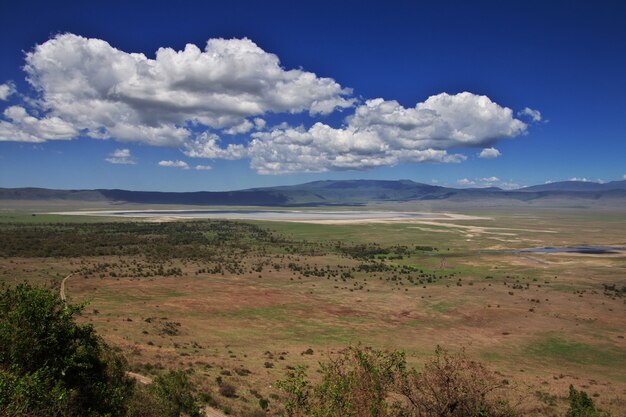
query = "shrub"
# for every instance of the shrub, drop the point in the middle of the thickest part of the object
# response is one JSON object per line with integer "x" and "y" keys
{"x": 355, "y": 383}
{"x": 228, "y": 390}
{"x": 264, "y": 404}
{"x": 581, "y": 405}
{"x": 175, "y": 395}
{"x": 358, "y": 382}
{"x": 298, "y": 390}
{"x": 453, "y": 386}
{"x": 49, "y": 365}
{"x": 365, "y": 382}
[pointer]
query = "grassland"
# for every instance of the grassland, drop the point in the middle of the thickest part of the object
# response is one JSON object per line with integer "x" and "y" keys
{"x": 244, "y": 301}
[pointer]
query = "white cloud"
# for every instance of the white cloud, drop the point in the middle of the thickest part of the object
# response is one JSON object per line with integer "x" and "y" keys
{"x": 383, "y": 133}
{"x": 226, "y": 89}
{"x": 624, "y": 176}
{"x": 133, "y": 98}
{"x": 6, "y": 90}
{"x": 534, "y": 115}
{"x": 203, "y": 168}
{"x": 243, "y": 127}
{"x": 581, "y": 179}
{"x": 121, "y": 156}
{"x": 23, "y": 127}
{"x": 489, "y": 153}
{"x": 174, "y": 164}
{"x": 206, "y": 145}
{"x": 259, "y": 124}
{"x": 509, "y": 185}
{"x": 492, "y": 181}
{"x": 465, "y": 182}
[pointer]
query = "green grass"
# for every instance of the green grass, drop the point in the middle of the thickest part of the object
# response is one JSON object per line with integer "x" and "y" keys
{"x": 555, "y": 349}
{"x": 445, "y": 306}
{"x": 491, "y": 356}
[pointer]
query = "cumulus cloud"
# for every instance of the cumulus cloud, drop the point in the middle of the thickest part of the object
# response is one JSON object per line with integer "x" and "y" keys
{"x": 465, "y": 182}
{"x": 624, "y": 176}
{"x": 207, "y": 145}
{"x": 534, "y": 115}
{"x": 383, "y": 133}
{"x": 259, "y": 123}
{"x": 20, "y": 126}
{"x": 174, "y": 164}
{"x": 190, "y": 98}
{"x": 243, "y": 127}
{"x": 121, "y": 156}
{"x": 489, "y": 153}
{"x": 184, "y": 165}
{"x": 133, "y": 98}
{"x": 492, "y": 181}
{"x": 6, "y": 90}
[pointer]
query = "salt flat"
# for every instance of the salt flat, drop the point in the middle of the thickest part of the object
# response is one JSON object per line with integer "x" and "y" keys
{"x": 308, "y": 216}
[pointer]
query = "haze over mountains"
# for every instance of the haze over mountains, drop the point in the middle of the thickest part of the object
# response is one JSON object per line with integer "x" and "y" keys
{"x": 329, "y": 193}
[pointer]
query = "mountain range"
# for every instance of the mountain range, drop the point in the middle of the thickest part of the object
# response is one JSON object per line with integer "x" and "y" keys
{"x": 329, "y": 193}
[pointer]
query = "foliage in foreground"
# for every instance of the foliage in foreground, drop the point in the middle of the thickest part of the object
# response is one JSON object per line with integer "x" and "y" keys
{"x": 170, "y": 395}
{"x": 365, "y": 382}
{"x": 51, "y": 366}
{"x": 362, "y": 382}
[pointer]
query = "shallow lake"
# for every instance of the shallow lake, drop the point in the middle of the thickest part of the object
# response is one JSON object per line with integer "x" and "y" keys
{"x": 590, "y": 250}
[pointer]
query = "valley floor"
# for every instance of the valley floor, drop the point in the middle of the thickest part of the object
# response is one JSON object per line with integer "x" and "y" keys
{"x": 244, "y": 301}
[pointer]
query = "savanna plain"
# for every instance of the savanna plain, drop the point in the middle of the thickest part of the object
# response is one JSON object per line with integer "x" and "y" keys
{"x": 242, "y": 304}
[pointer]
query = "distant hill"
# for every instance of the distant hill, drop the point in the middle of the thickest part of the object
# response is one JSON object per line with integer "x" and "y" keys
{"x": 328, "y": 193}
{"x": 577, "y": 186}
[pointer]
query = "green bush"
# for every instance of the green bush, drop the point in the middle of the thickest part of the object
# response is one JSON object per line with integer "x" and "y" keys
{"x": 51, "y": 366}
{"x": 356, "y": 383}
{"x": 581, "y": 405}
{"x": 175, "y": 394}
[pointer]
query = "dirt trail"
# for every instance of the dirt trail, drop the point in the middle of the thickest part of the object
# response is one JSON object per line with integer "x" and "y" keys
{"x": 142, "y": 379}
{"x": 62, "y": 291}
{"x": 146, "y": 380}
{"x": 212, "y": 412}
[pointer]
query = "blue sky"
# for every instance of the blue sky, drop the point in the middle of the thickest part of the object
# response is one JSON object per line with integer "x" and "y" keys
{"x": 295, "y": 102}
